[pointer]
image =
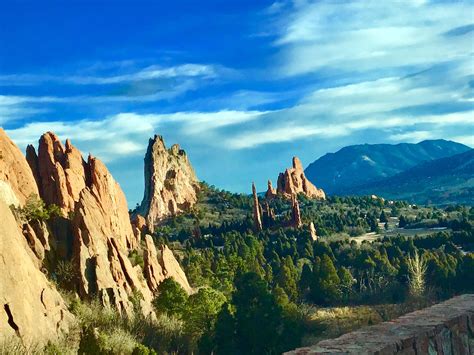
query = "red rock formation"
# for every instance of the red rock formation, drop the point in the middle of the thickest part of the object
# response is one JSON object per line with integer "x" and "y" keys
{"x": 295, "y": 213}
{"x": 312, "y": 231}
{"x": 31, "y": 308}
{"x": 103, "y": 237}
{"x": 257, "y": 210}
{"x": 59, "y": 170}
{"x": 17, "y": 182}
{"x": 170, "y": 182}
{"x": 172, "y": 269}
{"x": 293, "y": 181}
{"x": 271, "y": 192}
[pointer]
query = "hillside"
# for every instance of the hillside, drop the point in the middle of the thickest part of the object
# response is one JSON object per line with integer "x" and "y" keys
{"x": 442, "y": 181}
{"x": 360, "y": 164}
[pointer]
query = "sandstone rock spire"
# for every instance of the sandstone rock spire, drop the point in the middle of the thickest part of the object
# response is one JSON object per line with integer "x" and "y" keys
{"x": 271, "y": 192}
{"x": 293, "y": 181}
{"x": 295, "y": 213}
{"x": 257, "y": 210}
{"x": 312, "y": 231}
{"x": 170, "y": 182}
{"x": 59, "y": 171}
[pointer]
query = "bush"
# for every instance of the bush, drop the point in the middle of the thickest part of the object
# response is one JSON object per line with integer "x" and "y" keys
{"x": 35, "y": 210}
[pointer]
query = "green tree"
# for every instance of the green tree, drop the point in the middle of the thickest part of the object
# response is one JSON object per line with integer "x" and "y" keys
{"x": 258, "y": 317}
{"x": 171, "y": 298}
{"x": 325, "y": 285}
{"x": 201, "y": 313}
{"x": 287, "y": 278}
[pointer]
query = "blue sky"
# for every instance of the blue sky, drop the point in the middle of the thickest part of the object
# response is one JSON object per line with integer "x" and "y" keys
{"x": 242, "y": 86}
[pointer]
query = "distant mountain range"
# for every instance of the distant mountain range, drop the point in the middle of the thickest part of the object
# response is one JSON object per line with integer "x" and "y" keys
{"x": 435, "y": 171}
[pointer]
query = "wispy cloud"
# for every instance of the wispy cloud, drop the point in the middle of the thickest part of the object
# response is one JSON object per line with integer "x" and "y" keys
{"x": 371, "y": 35}
{"x": 152, "y": 72}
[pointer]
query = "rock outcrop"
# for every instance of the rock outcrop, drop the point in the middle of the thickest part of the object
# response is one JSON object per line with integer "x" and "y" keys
{"x": 257, "y": 210}
{"x": 271, "y": 192}
{"x": 312, "y": 231}
{"x": 31, "y": 308}
{"x": 170, "y": 182}
{"x": 296, "y": 221}
{"x": 293, "y": 181}
{"x": 162, "y": 266}
{"x": 445, "y": 328}
{"x": 59, "y": 170}
{"x": 17, "y": 182}
{"x": 103, "y": 237}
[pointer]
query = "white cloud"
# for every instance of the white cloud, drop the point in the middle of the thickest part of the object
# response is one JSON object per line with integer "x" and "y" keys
{"x": 152, "y": 72}
{"x": 370, "y": 35}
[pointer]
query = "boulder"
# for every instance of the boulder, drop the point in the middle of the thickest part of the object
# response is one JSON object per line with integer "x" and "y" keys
{"x": 170, "y": 182}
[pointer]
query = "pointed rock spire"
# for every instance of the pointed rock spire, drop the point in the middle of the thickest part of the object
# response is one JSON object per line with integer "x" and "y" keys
{"x": 312, "y": 231}
{"x": 294, "y": 181}
{"x": 295, "y": 213}
{"x": 170, "y": 182}
{"x": 257, "y": 210}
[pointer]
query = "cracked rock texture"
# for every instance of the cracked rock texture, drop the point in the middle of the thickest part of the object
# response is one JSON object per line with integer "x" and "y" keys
{"x": 170, "y": 182}
{"x": 59, "y": 170}
{"x": 17, "y": 182}
{"x": 445, "y": 328}
{"x": 30, "y": 306}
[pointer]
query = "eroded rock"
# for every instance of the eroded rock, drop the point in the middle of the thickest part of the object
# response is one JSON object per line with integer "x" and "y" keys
{"x": 17, "y": 182}
{"x": 31, "y": 308}
{"x": 293, "y": 181}
{"x": 60, "y": 171}
{"x": 170, "y": 182}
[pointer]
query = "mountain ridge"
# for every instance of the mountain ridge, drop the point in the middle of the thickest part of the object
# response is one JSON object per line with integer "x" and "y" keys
{"x": 364, "y": 163}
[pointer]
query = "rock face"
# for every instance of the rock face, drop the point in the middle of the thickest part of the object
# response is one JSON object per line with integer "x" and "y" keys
{"x": 160, "y": 267}
{"x": 31, "y": 308}
{"x": 170, "y": 182}
{"x": 446, "y": 328}
{"x": 293, "y": 181}
{"x": 59, "y": 170}
{"x": 103, "y": 237}
{"x": 257, "y": 210}
{"x": 17, "y": 182}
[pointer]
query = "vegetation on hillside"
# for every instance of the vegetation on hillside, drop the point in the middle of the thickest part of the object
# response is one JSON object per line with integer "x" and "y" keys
{"x": 275, "y": 290}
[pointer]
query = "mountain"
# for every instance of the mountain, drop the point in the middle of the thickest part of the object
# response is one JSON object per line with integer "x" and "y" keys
{"x": 441, "y": 182}
{"x": 361, "y": 164}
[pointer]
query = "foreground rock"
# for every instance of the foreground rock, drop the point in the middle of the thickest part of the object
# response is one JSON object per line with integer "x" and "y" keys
{"x": 446, "y": 328}
{"x": 31, "y": 308}
{"x": 170, "y": 182}
{"x": 103, "y": 237}
{"x": 17, "y": 182}
{"x": 293, "y": 182}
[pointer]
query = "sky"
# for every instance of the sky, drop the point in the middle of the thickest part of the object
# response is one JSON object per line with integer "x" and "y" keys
{"x": 242, "y": 86}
